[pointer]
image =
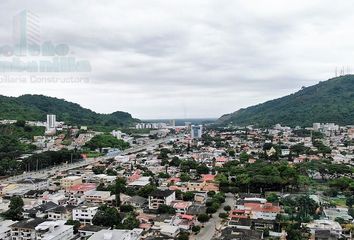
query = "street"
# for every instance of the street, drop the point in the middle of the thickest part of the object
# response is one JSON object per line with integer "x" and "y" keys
{"x": 214, "y": 224}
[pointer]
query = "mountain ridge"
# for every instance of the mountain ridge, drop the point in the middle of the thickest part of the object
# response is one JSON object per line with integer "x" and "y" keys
{"x": 328, "y": 101}
{"x": 35, "y": 107}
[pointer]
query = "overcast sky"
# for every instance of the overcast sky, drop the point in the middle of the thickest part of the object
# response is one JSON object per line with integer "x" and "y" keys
{"x": 188, "y": 58}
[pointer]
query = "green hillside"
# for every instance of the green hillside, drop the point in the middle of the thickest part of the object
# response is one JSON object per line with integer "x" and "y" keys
{"x": 328, "y": 101}
{"x": 36, "y": 107}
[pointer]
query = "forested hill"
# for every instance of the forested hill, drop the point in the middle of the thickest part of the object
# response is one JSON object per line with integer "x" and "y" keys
{"x": 328, "y": 101}
{"x": 36, "y": 107}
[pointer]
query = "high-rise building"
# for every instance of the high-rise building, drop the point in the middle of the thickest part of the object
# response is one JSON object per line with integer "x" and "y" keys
{"x": 26, "y": 32}
{"x": 196, "y": 131}
{"x": 51, "y": 122}
{"x": 316, "y": 126}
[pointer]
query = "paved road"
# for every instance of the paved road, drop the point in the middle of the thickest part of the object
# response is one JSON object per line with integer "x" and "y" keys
{"x": 210, "y": 228}
{"x": 43, "y": 173}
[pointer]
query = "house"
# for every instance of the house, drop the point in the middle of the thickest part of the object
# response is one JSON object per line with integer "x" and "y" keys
{"x": 325, "y": 235}
{"x": 183, "y": 221}
{"x": 160, "y": 197}
{"x": 263, "y": 211}
{"x": 5, "y": 230}
{"x": 59, "y": 213}
{"x": 136, "y": 201}
{"x": 181, "y": 206}
{"x": 81, "y": 189}
{"x": 167, "y": 229}
{"x": 84, "y": 214}
{"x": 25, "y": 230}
{"x": 114, "y": 234}
{"x": 54, "y": 230}
{"x": 57, "y": 197}
{"x": 200, "y": 197}
{"x": 40, "y": 211}
{"x": 35, "y": 183}
{"x": 333, "y": 227}
{"x": 102, "y": 178}
{"x": 333, "y": 213}
{"x": 202, "y": 186}
{"x": 255, "y": 208}
{"x": 70, "y": 181}
{"x": 140, "y": 182}
{"x": 98, "y": 197}
{"x": 232, "y": 233}
{"x": 196, "y": 209}
{"x": 88, "y": 230}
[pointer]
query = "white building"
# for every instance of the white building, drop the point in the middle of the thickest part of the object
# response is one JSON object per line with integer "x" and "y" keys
{"x": 196, "y": 131}
{"x": 117, "y": 134}
{"x": 54, "y": 230}
{"x": 51, "y": 122}
{"x": 25, "y": 230}
{"x": 84, "y": 214}
{"x": 97, "y": 196}
{"x": 134, "y": 234}
{"x": 316, "y": 126}
{"x": 159, "y": 197}
{"x": 5, "y": 230}
{"x": 332, "y": 226}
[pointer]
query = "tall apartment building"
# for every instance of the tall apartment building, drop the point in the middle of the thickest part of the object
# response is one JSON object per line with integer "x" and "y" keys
{"x": 51, "y": 122}
{"x": 196, "y": 131}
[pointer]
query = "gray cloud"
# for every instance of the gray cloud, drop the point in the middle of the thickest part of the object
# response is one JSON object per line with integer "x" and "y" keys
{"x": 182, "y": 58}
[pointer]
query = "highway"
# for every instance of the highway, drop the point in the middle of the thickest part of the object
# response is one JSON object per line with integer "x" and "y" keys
{"x": 44, "y": 173}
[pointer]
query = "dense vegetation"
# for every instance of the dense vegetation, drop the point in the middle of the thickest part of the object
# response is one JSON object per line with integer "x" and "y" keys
{"x": 279, "y": 176}
{"x": 36, "y": 107}
{"x": 328, "y": 101}
{"x": 106, "y": 140}
{"x": 15, "y": 141}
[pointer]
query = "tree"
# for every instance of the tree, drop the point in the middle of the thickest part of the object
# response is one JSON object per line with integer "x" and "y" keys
{"x": 163, "y": 209}
{"x": 188, "y": 196}
{"x": 244, "y": 157}
{"x": 227, "y": 208}
{"x": 183, "y": 236}
{"x": 175, "y": 161}
{"x": 211, "y": 193}
{"x": 15, "y": 209}
{"x": 126, "y": 208}
{"x": 129, "y": 222}
{"x": 185, "y": 177}
{"x": 221, "y": 178}
{"x": 223, "y": 215}
{"x": 106, "y": 217}
{"x": 75, "y": 223}
{"x": 196, "y": 229}
{"x": 111, "y": 172}
{"x": 273, "y": 198}
{"x": 146, "y": 190}
{"x": 98, "y": 170}
{"x": 351, "y": 212}
{"x": 203, "y": 218}
{"x": 232, "y": 153}
{"x": 350, "y": 201}
{"x": 106, "y": 140}
{"x": 203, "y": 169}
